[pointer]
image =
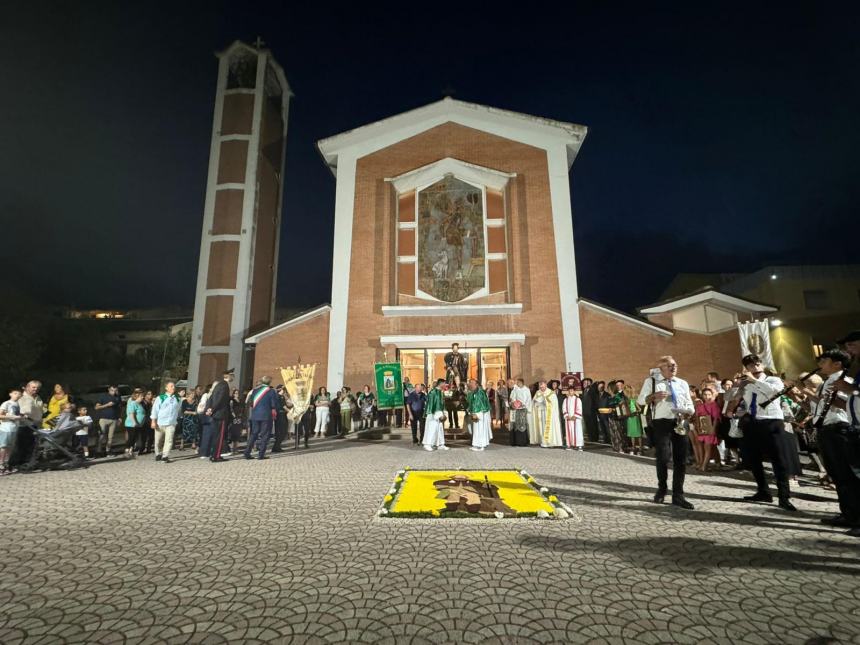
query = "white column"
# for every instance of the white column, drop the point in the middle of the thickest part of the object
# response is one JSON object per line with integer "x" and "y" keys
{"x": 344, "y": 206}
{"x": 562, "y": 219}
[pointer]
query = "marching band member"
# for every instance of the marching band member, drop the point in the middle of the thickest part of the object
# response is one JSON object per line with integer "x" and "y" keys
{"x": 669, "y": 398}
{"x": 837, "y": 417}
{"x": 764, "y": 431}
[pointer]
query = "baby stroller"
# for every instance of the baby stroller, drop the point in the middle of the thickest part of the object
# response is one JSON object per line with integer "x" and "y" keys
{"x": 51, "y": 450}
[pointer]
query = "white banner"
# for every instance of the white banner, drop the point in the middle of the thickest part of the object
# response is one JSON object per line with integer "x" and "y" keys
{"x": 755, "y": 339}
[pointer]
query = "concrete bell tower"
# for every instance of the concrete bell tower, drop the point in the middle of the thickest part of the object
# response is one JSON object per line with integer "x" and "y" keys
{"x": 236, "y": 276}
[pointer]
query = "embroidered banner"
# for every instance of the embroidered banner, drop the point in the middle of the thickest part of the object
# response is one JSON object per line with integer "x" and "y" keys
{"x": 299, "y": 383}
{"x": 389, "y": 386}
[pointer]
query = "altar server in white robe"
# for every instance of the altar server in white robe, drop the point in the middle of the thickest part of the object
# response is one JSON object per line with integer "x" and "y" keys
{"x": 434, "y": 412}
{"x": 572, "y": 412}
{"x": 478, "y": 407}
{"x": 546, "y": 420}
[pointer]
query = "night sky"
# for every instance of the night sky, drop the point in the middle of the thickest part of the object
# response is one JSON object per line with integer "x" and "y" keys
{"x": 721, "y": 137}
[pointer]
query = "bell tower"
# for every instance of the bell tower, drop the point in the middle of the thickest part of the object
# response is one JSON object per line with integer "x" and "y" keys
{"x": 237, "y": 272}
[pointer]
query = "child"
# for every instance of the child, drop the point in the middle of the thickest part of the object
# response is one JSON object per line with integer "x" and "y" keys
{"x": 10, "y": 414}
{"x": 82, "y": 436}
{"x": 572, "y": 411}
{"x": 634, "y": 422}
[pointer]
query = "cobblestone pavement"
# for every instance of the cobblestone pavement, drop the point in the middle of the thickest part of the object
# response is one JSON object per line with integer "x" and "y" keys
{"x": 291, "y": 549}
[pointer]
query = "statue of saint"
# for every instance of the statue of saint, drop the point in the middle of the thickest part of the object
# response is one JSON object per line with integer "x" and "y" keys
{"x": 456, "y": 365}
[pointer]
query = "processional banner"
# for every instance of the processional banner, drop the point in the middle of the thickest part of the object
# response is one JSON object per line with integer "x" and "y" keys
{"x": 389, "y": 386}
{"x": 299, "y": 384}
{"x": 755, "y": 339}
{"x": 571, "y": 379}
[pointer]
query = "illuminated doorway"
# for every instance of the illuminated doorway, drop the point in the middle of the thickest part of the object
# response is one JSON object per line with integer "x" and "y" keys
{"x": 427, "y": 365}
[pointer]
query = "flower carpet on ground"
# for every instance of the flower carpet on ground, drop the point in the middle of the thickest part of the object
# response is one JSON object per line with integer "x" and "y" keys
{"x": 492, "y": 494}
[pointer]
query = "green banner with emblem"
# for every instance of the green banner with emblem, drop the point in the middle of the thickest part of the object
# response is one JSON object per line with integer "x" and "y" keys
{"x": 389, "y": 386}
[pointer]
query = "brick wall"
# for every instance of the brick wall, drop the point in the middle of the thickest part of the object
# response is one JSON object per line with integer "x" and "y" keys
{"x": 614, "y": 349}
{"x": 534, "y": 280}
{"x": 307, "y": 339}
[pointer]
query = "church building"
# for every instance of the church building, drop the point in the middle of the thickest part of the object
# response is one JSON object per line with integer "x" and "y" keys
{"x": 453, "y": 224}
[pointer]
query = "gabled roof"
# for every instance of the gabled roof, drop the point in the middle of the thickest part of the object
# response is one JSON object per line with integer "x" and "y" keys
{"x": 532, "y": 130}
{"x": 290, "y": 322}
{"x": 708, "y": 295}
{"x": 623, "y": 317}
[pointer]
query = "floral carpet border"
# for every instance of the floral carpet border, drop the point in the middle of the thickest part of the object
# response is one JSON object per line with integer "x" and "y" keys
{"x": 560, "y": 509}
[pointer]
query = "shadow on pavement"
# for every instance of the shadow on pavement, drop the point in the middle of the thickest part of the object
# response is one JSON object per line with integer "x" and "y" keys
{"x": 693, "y": 555}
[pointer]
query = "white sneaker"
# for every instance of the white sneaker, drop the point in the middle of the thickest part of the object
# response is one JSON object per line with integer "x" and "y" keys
{"x": 226, "y": 454}
{"x": 444, "y": 448}
{"x": 428, "y": 448}
{"x": 204, "y": 457}
{"x": 476, "y": 449}
{"x": 580, "y": 449}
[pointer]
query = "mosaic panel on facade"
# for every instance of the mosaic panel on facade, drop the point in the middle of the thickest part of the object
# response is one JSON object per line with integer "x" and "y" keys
{"x": 451, "y": 246}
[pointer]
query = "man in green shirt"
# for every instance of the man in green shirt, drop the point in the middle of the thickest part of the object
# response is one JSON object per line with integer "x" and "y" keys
{"x": 434, "y": 412}
{"x": 478, "y": 406}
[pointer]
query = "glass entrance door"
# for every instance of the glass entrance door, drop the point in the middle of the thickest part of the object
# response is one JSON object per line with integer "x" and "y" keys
{"x": 427, "y": 365}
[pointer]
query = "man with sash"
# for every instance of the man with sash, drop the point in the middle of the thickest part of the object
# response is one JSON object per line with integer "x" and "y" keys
{"x": 265, "y": 404}
{"x": 546, "y": 417}
{"x": 434, "y": 412}
{"x": 837, "y": 417}
{"x": 478, "y": 406}
{"x": 572, "y": 411}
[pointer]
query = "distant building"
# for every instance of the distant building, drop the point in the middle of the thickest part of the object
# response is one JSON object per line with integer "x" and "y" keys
{"x": 816, "y": 305}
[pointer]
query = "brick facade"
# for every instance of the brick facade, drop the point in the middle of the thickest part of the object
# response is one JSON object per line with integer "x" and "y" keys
{"x": 531, "y": 252}
{"x": 306, "y": 341}
{"x": 614, "y": 349}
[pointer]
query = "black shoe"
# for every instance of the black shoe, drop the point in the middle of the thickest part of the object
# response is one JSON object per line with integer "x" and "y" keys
{"x": 248, "y": 457}
{"x": 659, "y": 496}
{"x": 157, "y": 457}
{"x": 165, "y": 460}
{"x": 855, "y": 532}
{"x": 258, "y": 458}
{"x": 682, "y": 503}
{"x": 216, "y": 459}
{"x": 759, "y": 497}
{"x": 786, "y": 504}
{"x": 837, "y": 520}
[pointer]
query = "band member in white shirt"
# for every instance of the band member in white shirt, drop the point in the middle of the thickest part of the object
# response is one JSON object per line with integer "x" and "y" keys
{"x": 669, "y": 398}
{"x": 837, "y": 417}
{"x": 764, "y": 430}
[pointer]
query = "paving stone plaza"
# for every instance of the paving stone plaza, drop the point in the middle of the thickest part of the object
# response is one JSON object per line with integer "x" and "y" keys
{"x": 291, "y": 549}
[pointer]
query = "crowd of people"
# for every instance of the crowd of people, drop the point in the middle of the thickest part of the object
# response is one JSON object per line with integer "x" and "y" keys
{"x": 736, "y": 422}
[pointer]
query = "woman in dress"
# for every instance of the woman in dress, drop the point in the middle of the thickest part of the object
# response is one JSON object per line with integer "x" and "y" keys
{"x": 366, "y": 404}
{"x": 789, "y": 446}
{"x": 56, "y": 403}
{"x": 634, "y": 421}
{"x": 190, "y": 428}
{"x": 708, "y": 414}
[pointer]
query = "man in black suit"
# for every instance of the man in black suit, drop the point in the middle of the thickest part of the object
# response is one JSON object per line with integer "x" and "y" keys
{"x": 218, "y": 408}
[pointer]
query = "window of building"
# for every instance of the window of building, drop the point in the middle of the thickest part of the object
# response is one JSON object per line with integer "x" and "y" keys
{"x": 815, "y": 299}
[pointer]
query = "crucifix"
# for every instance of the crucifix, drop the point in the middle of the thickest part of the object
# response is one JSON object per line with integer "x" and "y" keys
{"x": 259, "y": 43}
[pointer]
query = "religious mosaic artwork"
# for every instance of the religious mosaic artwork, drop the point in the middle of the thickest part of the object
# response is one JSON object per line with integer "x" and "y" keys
{"x": 451, "y": 255}
{"x": 489, "y": 494}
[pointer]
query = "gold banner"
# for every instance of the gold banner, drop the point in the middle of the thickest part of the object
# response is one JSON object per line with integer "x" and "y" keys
{"x": 299, "y": 383}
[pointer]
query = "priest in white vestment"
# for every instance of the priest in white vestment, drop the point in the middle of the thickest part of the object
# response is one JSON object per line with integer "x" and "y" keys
{"x": 546, "y": 419}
